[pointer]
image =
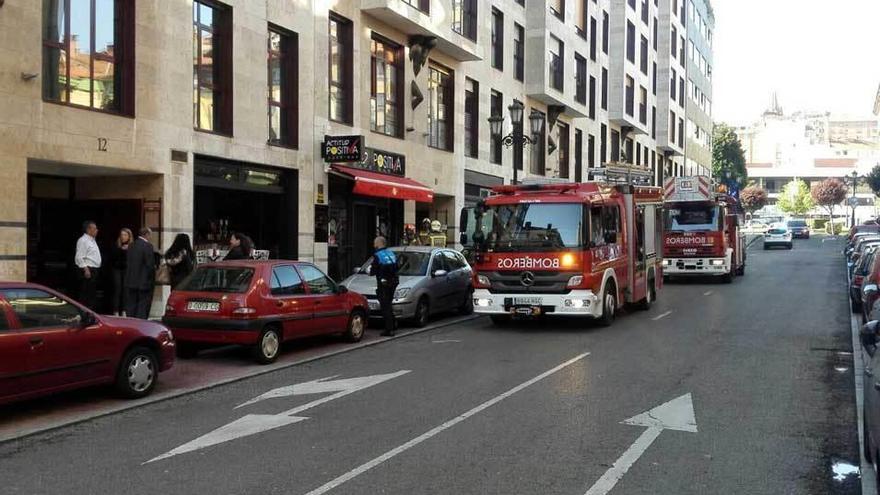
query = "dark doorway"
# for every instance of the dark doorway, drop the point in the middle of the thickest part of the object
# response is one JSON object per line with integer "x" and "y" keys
{"x": 364, "y": 231}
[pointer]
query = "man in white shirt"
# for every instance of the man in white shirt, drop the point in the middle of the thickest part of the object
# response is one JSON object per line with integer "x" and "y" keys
{"x": 88, "y": 264}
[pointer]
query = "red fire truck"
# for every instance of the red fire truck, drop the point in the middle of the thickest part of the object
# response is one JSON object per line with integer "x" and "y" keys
{"x": 565, "y": 249}
{"x": 702, "y": 230}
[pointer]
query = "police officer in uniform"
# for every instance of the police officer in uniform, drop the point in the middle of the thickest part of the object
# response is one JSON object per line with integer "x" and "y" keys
{"x": 384, "y": 267}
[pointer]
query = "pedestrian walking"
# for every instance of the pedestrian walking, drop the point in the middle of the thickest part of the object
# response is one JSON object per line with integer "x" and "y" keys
{"x": 240, "y": 247}
{"x": 140, "y": 275}
{"x": 118, "y": 261}
{"x": 384, "y": 268}
{"x": 88, "y": 264}
{"x": 180, "y": 259}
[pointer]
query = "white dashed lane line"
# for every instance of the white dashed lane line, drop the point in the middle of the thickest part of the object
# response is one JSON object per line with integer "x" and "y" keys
{"x": 660, "y": 316}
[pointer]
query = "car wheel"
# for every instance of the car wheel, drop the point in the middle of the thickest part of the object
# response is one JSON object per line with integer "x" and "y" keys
{"x": 500, "y": 320}
{"x": 790, "y": 245}
{"x": 268, "y": 346}
{"x": 357, "y": 322}
{"x": 423, "y": 312}
{"x": 609, "y": 306}
{"x": 467, "y": 307}
{"x": 650, "y": 295}
{"x": 186, "y": 350}
{"x": 137, "y": 373}
{"x": 766, "y": 247}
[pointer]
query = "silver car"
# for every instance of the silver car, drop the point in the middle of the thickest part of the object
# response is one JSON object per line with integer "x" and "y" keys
{"x": 432, "y": 280}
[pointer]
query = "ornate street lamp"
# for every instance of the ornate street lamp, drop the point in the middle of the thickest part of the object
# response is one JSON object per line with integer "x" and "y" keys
{"x": 853, "y": 200}
{"x": 516, "y": 139}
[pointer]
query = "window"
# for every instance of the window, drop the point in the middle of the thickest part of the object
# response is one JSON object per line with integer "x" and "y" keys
{"x": 471, "y": 116}
{"x": 580, "y": 65}
{"x": 605, "y": 27}
{"x": 218, "y": 279}
{"x": 680, "y": 91}
{"x": 282, "y": 79}
{"x": 286, "y": 282}
{"x": 496, "y": 107}
{"x": 630, "y": 96}
{"x": 638, "y": 153}
{"x": 212, "y": 68}
{"x": 628, "y": 150}
{"x": 88, "y": 57}
{"x": 632, "y": 4}
{"x": 440, "y": 105}
{"x": 578, "y": 156}
{"x": 386, "y": 87}
{"x": 464, "y": 18}
{"x": 645, "y": 14}
{"x": 518, "y": 53}
{"x": 655, "y": 39}
{"x": 497, "y": 39}
{"x": 604, "y": 89}
{"x": 591, "y": 151}
{"x": 654, "y": 79}
{"x": 671, "y": 128}
{"x": 557, "y": 52}
{"x": 592, "y": 108}
{"x": 630, "y": 42}
{"x": 340, "y": 66}
{"x": 644, "y": 59}
{"x": 643, "y": 105}
{"x": 672, "y": 84}
{"x": 562, "y": 152}
{"x": 682, "y": 50}
{"x": 454, "y": 261}
{"x": 615, "y": 146}
{"x": 423, "y": 5}
{"x": 316, "y": 280}
{"x": 580, "y": 17}
{"x": 593, "y": 39}
{"x": 39, "y": 309}
{"x": 538, "y": 158}
{"x": 557, "y": 7}
{"x": 680, "y": 132}
{"x": 603, "y": 143}
{"x": 674, "y": 42}
{"x": 682, "y": 14}
{"x": 604, "y": 225}
{"x": 653, "y": 122}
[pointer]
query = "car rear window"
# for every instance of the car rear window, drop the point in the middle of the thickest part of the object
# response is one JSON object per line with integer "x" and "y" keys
{"x": 776, "y": 231}
{"x": 797, "y": 223}
{"x": 235, "y": 279}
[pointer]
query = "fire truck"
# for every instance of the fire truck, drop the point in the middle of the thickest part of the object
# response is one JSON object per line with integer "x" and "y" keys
{"x": 570, "y": 249}
{"x": 702, "y": 231}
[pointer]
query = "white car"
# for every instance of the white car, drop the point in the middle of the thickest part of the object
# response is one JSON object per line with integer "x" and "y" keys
{"x": 755, "y": 226}
{"x": 777, "y": 235}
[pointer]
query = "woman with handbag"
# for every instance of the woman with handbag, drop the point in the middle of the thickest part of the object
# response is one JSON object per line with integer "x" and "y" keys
{"x": 180, "y": 259}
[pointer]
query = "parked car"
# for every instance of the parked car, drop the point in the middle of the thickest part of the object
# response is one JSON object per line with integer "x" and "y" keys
{"x": 756, "y": 227}
{"x": 871, "y": 412}
{"x": 777, "y": 235}
{"x": 432, "y": 280}
{"x": 50, "y": 343}
{"x": 260, "y": 304}
{"x": 860, "y": 272}
{"x": 858, "y": 250}
{"x": 799, "y": 229}
{"x": 871, "y": 292}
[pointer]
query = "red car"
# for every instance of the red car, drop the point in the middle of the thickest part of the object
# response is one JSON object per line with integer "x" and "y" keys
{"x": 50, "y": 343}
{"x": 261, "y": 304}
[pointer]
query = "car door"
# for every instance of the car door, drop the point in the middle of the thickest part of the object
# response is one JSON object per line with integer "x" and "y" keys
{"x": 457, "y": 278}
{"x": 872, "y": 395}
{"x": 329, "y": 306}
{"x": 292, "y": 306}
{"x": 14, "y": 351}
{"x": 439, "y": 288}
{"x": 62, "y": 351}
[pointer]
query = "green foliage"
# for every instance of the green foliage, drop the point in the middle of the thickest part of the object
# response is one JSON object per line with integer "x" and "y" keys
{"x": 834, "y": 228}
{"x": 817, "y": 223}
{"x": 873, "y": 179}
{"x": 727, "y": 155}
{"x": 795, "y": 198}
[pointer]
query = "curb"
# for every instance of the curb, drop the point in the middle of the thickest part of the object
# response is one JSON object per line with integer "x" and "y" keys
{"x": 257, "y": 372}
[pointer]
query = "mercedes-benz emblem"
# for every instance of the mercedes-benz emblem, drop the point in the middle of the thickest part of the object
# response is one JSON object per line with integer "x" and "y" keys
{"x": 527, "y": 279}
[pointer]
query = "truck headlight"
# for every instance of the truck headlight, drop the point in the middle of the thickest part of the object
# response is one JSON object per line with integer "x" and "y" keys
{"x": 667, "y": 262}
{"x": 483, "y": 280}
{"x": 401, "y": 293}
{"x": 716, "y": 262}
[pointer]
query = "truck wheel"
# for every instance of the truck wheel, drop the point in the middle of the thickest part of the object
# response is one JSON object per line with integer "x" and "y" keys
{"x": 727, "y": 277}
{"x": 650, "y": 297}
{"x": 609, "y": 306}
{"x": 741, "y": 270}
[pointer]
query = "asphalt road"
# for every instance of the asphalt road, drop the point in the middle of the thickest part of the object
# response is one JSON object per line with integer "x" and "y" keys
{"x": 534, "y": 408}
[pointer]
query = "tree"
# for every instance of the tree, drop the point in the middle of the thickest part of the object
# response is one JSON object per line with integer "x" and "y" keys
{"x": 828, "y": 194}
{"x": 753, "y": 198}
{"x": 795, "y": 198}
{"x": 727, "y": 155}
{"x": 873, "y": 179}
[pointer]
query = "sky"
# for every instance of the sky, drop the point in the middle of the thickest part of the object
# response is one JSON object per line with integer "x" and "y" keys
{"x": 818, "y": 55}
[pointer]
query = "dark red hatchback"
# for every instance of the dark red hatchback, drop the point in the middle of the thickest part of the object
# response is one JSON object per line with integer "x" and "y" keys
{"x": 50, "y": 343}
{"x": 260, "y": 304}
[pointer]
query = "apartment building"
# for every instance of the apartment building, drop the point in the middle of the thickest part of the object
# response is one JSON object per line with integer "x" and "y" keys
{"x": 699, "y": 60}
{"x": 312, "y": 127}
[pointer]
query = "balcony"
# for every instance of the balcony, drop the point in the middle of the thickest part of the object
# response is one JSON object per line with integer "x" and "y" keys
{"x": 408, "y": 17}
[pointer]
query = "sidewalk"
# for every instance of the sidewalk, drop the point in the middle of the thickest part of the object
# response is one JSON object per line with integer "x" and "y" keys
{"x": 210, "y": 369}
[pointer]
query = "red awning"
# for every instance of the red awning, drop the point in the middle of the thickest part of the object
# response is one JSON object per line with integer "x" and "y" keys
{"x": 386, "y": 186}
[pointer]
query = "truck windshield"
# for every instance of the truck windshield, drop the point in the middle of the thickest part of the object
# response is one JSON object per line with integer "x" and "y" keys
{"x": 534, "y": 227}
{"x": 691, "y": 218}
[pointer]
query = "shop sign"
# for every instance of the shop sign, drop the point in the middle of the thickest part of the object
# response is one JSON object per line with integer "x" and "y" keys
{"x": 383, "y": 162}
{"x": 341, "y": 149}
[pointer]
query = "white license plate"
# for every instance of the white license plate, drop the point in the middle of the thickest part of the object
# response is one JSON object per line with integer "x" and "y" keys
{"x": 526, "y": 301}
{"x": 374, "y": 305}
{"x": 203, "y": 306}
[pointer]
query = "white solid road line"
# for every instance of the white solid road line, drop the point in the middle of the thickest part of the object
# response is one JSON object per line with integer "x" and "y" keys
{"x": 661, "y": 316}
{"x": 707, "y": 293}
{"x": 447, "y": 341}
{"x": 438, "y": 429}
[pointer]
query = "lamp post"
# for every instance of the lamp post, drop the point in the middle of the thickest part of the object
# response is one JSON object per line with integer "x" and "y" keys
{"x": 517, "y": 139}
{"x": 853, "y": 201}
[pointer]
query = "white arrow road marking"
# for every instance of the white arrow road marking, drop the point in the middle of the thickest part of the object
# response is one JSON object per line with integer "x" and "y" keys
{"x": 661, "y": 316}
{"x": 677, "y": 414}
{"x": 438, "y": 429}
{"x": 252, "y": 424}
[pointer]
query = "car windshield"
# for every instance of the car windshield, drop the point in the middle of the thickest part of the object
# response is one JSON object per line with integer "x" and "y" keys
{"x": 410, "y": 263}
{"x": 797, "y": 223}
{"x": 534, "y": 226}
{"x": 218, "y": 279}
{"x": 691, "y": 218}
{"x": 776, "y": 231}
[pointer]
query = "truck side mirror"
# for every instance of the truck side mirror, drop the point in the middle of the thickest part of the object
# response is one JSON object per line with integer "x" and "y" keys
{"x": 462, "y": 238}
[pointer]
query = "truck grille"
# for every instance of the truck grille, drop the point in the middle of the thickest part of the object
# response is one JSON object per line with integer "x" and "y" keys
{"x": 704, "y": 251}
{"x": 545, "y": 282}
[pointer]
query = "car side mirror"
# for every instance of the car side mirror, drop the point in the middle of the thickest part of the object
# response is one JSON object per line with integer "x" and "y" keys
{"x": 341, "y": 289}
{"x": 439, "y": 273}
{"x": 868, "y": 335}
{"x": 87, "y": 319}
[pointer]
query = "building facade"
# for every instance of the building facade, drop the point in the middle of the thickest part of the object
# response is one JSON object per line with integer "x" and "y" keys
{"x": 700, "y": 59}
{"x": 207, "y": 117}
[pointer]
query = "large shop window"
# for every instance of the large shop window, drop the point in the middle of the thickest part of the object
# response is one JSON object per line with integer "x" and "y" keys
{"x": 283, "y": 83}
{"x": 212, "y": 67}
{"x": 440, "y": 106}
{"x": 340, "y": 68}
{"x": 88, "y": 54}
{"x": 386, "y": 87}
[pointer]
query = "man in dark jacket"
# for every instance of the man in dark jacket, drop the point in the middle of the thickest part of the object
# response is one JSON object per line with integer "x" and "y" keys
{"x": 140, "y": 276}
{"x": 384, "y": 268}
